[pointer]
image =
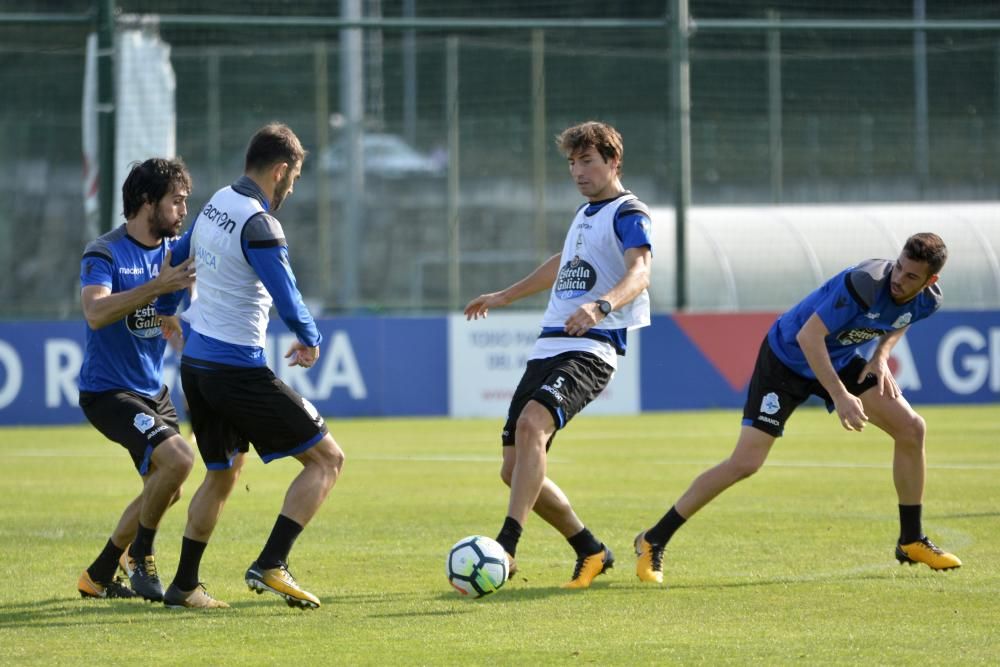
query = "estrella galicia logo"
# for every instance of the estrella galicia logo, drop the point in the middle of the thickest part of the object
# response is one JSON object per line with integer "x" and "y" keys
{"x": 577, "y": 277}
{"x": 770, "y": 404}
{"x": 144, "y": 322}
{"x": 142, "y": 422}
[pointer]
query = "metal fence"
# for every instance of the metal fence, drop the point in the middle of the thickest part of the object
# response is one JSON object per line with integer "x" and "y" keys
{"x": 790, "y": 102}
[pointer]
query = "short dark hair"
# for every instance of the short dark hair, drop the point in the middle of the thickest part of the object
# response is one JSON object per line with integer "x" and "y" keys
{"x": 273, "y": 143}
{"x": 604, "y": 138}
{"x": 927, "y": 247}
{"x": 150, "y": 181}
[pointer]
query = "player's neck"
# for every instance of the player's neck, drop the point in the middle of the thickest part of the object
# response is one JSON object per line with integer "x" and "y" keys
{"x": 138, "y": 228}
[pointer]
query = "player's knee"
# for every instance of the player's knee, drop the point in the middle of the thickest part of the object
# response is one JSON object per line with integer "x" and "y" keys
{"x": 913, "y": 431}
{"x": 174, "y": 455}
{"x": 740, "y": 469}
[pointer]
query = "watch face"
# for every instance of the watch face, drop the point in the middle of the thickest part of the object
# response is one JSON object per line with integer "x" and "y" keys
{"x": 604, "y": 306}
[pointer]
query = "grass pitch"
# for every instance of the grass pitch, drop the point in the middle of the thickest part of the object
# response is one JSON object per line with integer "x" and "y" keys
{"x": 792, "y": 565}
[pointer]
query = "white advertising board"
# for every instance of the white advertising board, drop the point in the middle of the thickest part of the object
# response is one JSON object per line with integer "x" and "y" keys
{"x": 487, "y": 358}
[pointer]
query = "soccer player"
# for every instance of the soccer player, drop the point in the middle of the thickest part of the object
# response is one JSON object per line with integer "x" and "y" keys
{"x": 598, "y": 292}
{"x": 121, "y": 386}
{"x": 834, "y": 344}
{"x": 234, "y": 399}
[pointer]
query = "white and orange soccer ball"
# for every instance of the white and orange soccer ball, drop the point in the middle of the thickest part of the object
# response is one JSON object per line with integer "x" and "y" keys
{"x": 477, "y": 566}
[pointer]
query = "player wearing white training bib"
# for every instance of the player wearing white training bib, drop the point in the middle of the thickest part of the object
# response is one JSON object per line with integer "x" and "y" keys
{"x": 234, "y": 398}
{"x": 598, "y": 293}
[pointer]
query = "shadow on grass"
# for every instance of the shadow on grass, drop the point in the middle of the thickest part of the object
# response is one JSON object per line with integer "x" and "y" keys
{"x": 62, "y": 612}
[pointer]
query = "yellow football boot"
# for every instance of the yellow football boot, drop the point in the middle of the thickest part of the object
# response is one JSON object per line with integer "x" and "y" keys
{"x": 588, "y": 567}
{"x": 925, "y": 551}
{"x": 280, "y": 581}
{"x": 649, "y": 560}
{"x": 199, "y": 598}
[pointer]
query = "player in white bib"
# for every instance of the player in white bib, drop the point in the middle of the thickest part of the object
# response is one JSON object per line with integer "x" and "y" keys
{"x": 235, "y": 400}
{"x": 598, "y": 293}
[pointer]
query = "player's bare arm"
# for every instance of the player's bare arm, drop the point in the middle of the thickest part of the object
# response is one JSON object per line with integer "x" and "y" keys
{"x": 811, "y": 339}
{"x": 879, "y": 365}
{"x": 540, "y": 279}
{"x": 101, "y": 307}
{"x": 637, "y": 269}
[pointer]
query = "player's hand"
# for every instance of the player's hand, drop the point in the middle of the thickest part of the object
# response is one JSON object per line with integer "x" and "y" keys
{"x": 583, "y": 319}
{"x": 851, "y": 412}
{"x": 170, "y": 326}
{"x": 175, "y": 278}
{"x": 480, "y": 306}
{"x": 302, "y": 355}
{"x": 886, "y": 382}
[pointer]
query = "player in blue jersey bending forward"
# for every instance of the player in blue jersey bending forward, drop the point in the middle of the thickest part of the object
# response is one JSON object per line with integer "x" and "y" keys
{"x": 835, "y": 344}
{"x": 598, "y": 292}
{"x": 121, "y": 386}
{"x": 233, "y": 397}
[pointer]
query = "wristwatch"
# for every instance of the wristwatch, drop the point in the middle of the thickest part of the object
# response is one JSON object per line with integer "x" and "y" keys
{"x": 604, "y": 306}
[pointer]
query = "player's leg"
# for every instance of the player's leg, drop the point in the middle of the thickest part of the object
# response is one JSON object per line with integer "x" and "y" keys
{"x": 170, "y": 464}
{"x": 204, "y": 512}
{"x": 773, "y": 395}
{"x": 534, "y": 428}
{"x": 99, "y": 580}
{"x": 908, "y": 430}
{"x": 321, "y": 467}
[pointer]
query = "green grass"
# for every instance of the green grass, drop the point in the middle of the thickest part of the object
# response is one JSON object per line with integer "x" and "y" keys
{"x": 793, "y": 565}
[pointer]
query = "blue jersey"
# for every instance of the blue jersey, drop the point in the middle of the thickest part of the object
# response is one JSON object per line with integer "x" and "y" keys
{"x": 127, "y": 354}
{"x": 857, "y": 308}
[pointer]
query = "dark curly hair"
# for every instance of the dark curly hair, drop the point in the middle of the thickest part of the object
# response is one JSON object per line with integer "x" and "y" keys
{"x": 150, "y": 181}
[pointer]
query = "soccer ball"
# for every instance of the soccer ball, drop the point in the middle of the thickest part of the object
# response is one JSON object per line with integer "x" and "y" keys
{"x": 477, "y": 566}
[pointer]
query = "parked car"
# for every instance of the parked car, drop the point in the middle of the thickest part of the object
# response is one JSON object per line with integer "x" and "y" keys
{"x": 386, "y": 156}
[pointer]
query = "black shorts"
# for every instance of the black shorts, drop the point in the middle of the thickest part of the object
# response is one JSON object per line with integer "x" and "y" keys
{"x": 233, "y": 407}
{"x": 775, "y": 390}
{"x": 564, "y": 384}
{"x": 136, "y": 422}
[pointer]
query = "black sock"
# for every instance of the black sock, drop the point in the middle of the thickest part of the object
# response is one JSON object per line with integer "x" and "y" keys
{"x": 186, "y": 578}
{"x": 584, "y": 543}
{"x": 910, "y": 529}
{"x": 665, "y": 528}
{"x": 102, "y": 570}
{"x": 279, "y": 543}
{"x": 142, "y": 546}
{"x": 509, "y": 535}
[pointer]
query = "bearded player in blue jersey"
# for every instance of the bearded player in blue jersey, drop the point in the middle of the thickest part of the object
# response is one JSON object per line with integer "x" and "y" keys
{"x": 121, "y": 386}
{"x": 233, "y": 397}
{"x": 835, "y": 344}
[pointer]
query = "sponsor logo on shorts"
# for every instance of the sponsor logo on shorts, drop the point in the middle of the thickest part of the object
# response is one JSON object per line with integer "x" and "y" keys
{"x": 159, "y": 429}
{"x": 312, "y": 411}
{"x": 143, "y": 422}
{"x": 770, "y": 404}
{"x": 555, "y": 392}
{"x": 768, "y": 420}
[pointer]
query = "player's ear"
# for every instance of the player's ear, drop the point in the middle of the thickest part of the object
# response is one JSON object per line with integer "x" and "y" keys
{"x": 279, "y": 171}
{"x": 933, "y": 279}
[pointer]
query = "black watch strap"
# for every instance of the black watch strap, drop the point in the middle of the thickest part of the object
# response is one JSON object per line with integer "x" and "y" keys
{"x": 605, "y": 306}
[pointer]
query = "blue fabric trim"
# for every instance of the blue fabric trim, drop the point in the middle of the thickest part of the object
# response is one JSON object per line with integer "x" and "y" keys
{"x": 298, "y": 450}
{"x": 146, "y": 460}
